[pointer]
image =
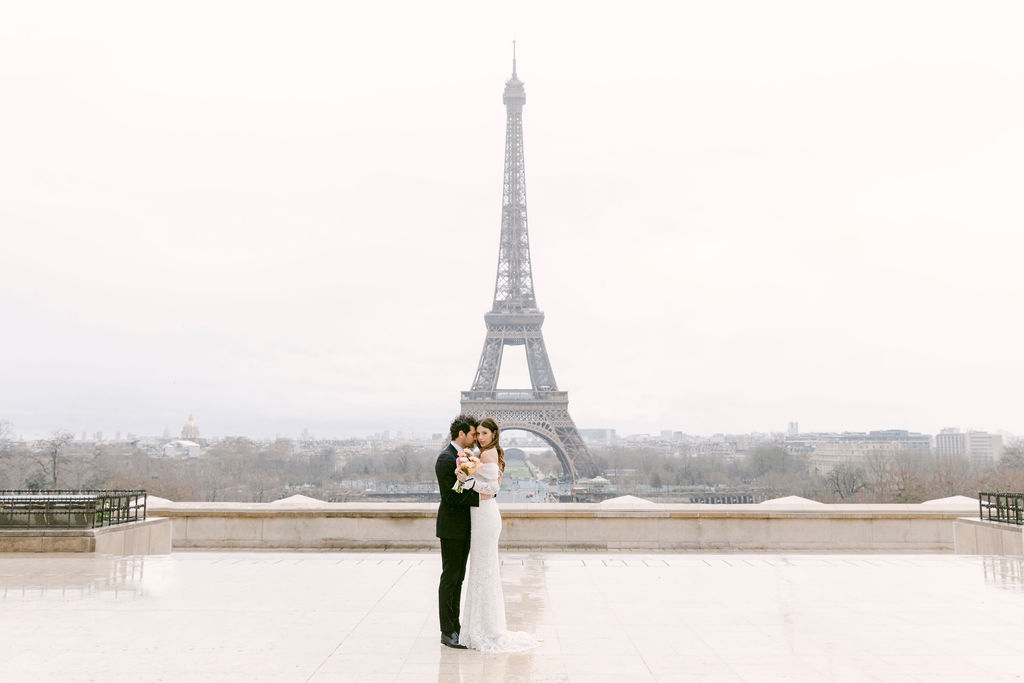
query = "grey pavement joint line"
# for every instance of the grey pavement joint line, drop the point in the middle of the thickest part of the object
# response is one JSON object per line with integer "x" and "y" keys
{"x": 361, "y": 620}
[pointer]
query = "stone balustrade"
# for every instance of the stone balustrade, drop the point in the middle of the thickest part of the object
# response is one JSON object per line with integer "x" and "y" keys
{"x": 146, "y": 537}
{"x": 791, "y": 525}
{"x": 984, "y": 537}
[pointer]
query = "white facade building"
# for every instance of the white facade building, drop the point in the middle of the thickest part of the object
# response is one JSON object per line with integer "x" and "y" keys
{"x": 950, "y": 441}
{"x": 984, "y": 447}
{"x": 182, "y": 449}
{"x": 977, "y": 445}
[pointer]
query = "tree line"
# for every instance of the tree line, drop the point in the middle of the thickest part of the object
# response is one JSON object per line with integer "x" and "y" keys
{"x": 885, "y": 476}
{"x": 244, "y": 470}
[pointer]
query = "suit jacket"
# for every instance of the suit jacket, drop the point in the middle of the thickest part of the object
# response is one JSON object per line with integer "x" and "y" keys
{"x": 453, "y": 512}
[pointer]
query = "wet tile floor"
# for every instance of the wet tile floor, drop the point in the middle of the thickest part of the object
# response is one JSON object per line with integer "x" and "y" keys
{"x": 241, "y": 616}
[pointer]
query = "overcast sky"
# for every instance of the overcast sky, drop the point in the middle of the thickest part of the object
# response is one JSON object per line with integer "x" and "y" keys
{"x": 286, "y": 215}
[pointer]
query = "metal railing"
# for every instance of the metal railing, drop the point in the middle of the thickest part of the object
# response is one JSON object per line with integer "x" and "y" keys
{"x": 1001, "y": 507}
{"x": 70, "y": 509}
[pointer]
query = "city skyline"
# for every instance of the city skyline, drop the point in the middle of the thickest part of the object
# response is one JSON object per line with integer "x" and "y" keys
{"x": 409, "y": 433}
{"x": 288, "y": 218}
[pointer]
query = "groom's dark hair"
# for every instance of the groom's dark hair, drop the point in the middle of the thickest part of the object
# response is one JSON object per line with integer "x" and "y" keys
{"x": 463, "y": 423}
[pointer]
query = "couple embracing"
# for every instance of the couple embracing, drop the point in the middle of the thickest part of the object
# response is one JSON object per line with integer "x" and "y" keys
{"x": 468, "y": 524}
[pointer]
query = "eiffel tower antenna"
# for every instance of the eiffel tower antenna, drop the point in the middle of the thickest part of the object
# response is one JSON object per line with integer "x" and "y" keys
{"x": 515, "y": 320}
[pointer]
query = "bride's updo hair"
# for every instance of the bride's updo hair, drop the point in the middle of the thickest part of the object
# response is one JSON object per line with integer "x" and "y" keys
{"x": 495, "y": 444}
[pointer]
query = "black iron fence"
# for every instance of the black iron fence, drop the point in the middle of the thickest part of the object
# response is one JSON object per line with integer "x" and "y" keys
{"x": 1002, "y": 507}
{"x": 70, "y": 509}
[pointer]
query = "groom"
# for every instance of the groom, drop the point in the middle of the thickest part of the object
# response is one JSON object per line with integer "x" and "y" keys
{"x": 453, "y": 527}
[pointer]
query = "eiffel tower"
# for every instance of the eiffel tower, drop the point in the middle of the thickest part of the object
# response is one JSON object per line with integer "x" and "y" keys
{"x": 515, "y": 320}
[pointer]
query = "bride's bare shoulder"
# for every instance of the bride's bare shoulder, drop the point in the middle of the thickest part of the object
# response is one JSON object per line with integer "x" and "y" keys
{"x": 490, "y": 455}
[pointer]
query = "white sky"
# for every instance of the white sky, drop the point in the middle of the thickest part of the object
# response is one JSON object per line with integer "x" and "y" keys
{"x": 286, "y": 215}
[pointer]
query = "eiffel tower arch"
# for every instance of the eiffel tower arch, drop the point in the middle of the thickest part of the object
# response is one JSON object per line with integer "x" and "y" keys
{"x": 515, "y": 320}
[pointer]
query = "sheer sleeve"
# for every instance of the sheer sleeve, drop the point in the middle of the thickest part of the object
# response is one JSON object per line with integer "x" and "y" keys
{"x": 486, "y": 479}
{"x": 488, "y": 487}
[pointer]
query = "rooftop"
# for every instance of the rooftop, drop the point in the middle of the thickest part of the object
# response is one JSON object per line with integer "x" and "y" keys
{"x": 252, "y": 616}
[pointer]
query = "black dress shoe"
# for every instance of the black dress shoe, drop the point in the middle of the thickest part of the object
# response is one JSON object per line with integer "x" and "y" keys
{"x": 452, "y": 640}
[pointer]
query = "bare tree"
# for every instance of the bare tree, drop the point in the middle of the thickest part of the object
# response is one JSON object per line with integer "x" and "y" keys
{"x": 51, "y": 455}
{"x": 880, "y": 476}
{"x": 79, "y": 472}
{"x": 1013, "y": 455}
{"x": 951, "y": 476}
{"x": 845, "y": 480}
{"x": 16, "y": 462}
{"x": 907, "y": 468}
{"x": 402, "y": 459}
{"x": 5, "y": 453}
{"x": 764, "y": 459}
{"x": 5, "y": 437}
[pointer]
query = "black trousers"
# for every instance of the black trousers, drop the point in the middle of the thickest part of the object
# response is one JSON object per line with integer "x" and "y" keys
{"x": 454, "y": 553}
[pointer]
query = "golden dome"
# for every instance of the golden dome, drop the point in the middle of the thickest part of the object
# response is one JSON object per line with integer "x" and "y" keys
{"x": 190, "y": 431}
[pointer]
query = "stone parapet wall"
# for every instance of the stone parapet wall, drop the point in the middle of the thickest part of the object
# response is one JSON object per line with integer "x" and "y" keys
{"x": 975, "y": 536}
{"x": 149, "y": 537}
{"x": 649, "y": 527}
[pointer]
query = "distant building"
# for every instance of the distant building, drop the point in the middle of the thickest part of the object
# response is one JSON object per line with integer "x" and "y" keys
{"x": 950, "y": 441}
{"x": 603, "y": 437}
{"x": 717, "y": 449}
{"x": 979, "y": 446}
{"x": 190, "y": 432}
{"x": 828, "y": 450}
{"x": 794, "y": 429}
{"x": 911, "y": 442}
{"x": 182, "y": 449}
{"x": 984, "y": 447}
{"x": 828, "y": 454}
{"x": 593, "y": 484}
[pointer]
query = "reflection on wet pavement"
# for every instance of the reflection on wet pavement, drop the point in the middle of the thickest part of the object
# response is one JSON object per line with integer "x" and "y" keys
{"x": 224, "y": 616}
{"x": 77, "y": 576}
{"x": 1005, "y": 572}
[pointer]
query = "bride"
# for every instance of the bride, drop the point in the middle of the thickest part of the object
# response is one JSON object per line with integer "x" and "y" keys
{"x": 483, "y": 620}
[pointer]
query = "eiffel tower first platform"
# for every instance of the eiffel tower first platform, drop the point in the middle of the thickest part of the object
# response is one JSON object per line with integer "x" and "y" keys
{"x": 515, "y": 320}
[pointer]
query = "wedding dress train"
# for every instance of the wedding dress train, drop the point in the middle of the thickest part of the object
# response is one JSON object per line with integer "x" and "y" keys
{"x": 483, "y": 611}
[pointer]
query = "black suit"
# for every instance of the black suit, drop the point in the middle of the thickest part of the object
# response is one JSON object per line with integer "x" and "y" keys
{"x": 453, "y": 530}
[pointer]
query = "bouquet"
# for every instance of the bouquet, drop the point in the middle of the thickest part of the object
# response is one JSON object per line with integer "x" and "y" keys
{"x": 466, "y": 462}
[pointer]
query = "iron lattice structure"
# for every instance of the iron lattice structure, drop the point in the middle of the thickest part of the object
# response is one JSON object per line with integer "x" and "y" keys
{"x": 515, "y": 320}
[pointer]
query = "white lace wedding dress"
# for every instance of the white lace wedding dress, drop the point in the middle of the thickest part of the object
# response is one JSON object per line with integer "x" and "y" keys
{"x": 483, "y": 611}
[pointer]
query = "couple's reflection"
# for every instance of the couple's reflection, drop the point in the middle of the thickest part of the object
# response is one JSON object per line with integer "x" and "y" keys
{"x": 464, "y": 666}
{"x": 524, "y": 587}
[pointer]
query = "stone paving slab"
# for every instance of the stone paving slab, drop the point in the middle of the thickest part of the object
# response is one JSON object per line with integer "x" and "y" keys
{"x": 223, "y": 616}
